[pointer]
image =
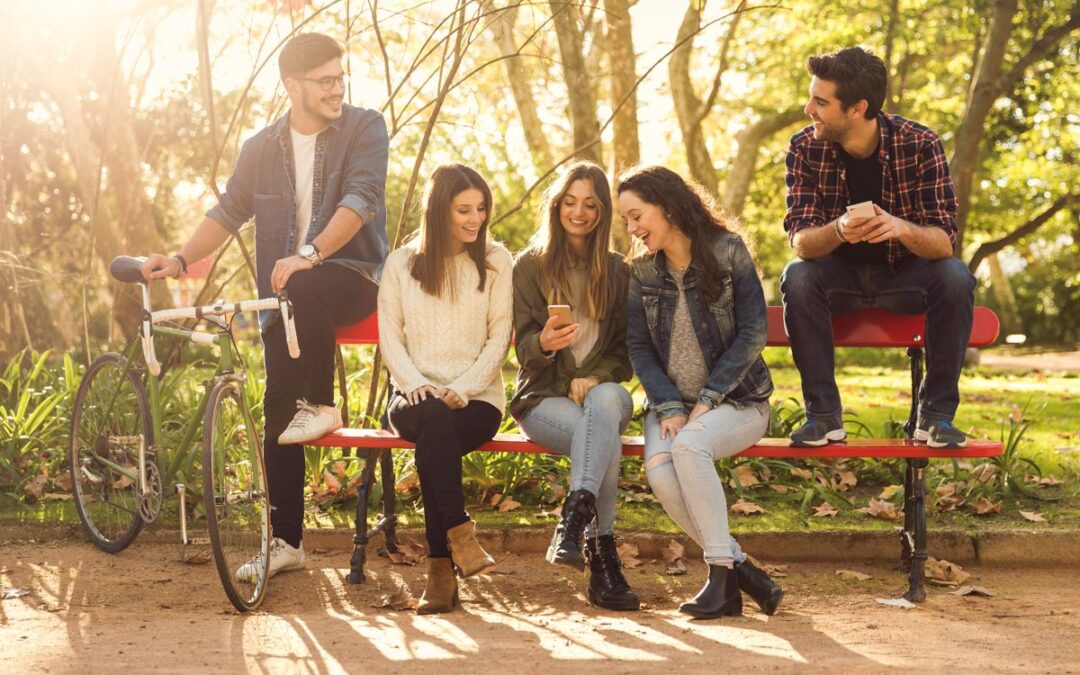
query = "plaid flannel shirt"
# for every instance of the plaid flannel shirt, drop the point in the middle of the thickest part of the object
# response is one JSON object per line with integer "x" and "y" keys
{"x": 915, "y": 185}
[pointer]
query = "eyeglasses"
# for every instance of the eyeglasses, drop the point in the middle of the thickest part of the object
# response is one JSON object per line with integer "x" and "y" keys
{"x": 327, "y": 83}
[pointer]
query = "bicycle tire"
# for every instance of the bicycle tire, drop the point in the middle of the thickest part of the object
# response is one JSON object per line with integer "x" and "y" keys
{"x": 108, "y": 501}
{"x": 236, "y": 496}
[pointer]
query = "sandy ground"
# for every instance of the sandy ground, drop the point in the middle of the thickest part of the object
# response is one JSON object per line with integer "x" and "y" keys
{"x": 145, "y": 611}
{"x": 1052, "y": 361}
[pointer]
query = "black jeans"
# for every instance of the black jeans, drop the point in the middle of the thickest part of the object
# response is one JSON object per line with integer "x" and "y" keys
{"x": 322, "y": 298}
{"x": 442, "y": 437}
{"x": 943, "y": 289}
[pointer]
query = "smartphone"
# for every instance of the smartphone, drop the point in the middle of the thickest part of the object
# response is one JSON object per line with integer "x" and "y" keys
{"x": 861, "y": 210}
{"x": 563, "y": 312}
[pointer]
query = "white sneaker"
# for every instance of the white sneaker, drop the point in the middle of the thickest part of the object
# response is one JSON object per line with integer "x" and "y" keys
{"x": 282, "y": 559}
{"x": 311, "y": 422}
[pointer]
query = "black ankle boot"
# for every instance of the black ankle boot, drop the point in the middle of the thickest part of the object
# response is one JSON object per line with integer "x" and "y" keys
{"x": 608, "y": 587}
{"x": 758, "y": 585}
{"x": 719, "y": 597}
{"x": 578, "y": 510}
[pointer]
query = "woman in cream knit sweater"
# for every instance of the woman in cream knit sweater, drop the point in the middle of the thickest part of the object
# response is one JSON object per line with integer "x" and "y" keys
{"x": 445, "y": 317}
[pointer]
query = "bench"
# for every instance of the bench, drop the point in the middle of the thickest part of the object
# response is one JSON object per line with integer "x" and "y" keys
{"x": 866, "y": 328}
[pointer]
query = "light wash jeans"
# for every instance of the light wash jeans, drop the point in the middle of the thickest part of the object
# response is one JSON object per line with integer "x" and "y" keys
{"x": 682, "y": 472}
{"x": 590, "y": 435}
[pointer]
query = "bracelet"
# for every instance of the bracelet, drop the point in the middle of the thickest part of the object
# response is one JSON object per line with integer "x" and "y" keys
{"x": 839, "y": 231}
{"x": 183, "y": 264}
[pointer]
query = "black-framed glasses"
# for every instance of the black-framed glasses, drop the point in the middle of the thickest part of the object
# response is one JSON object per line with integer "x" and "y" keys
{"x": 327, "y": 83}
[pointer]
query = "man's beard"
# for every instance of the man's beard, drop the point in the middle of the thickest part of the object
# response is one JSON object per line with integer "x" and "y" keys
{"x": 311, "y": 107}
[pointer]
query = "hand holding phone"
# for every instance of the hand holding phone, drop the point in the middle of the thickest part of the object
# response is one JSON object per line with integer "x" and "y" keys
{"x": 562, "y": 313}
{"x": 861, "y": 210}
{"x": 560, "y": 330}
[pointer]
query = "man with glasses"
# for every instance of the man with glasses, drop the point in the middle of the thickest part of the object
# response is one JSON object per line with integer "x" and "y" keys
{"x": 314, "y": 181}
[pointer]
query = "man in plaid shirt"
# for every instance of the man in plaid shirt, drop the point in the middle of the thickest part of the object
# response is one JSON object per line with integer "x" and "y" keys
{"x": 895, "y": 253}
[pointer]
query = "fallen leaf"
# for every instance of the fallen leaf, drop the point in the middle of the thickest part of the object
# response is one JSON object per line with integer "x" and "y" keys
{"x": 508, "y": 504}
{"x": 890, "y": 491}
{"x": 1017, "y": 414}
{"x": 331, "y": 481}
{"x": 985, "y": 507}
{"x": 13, "y": 593}
{"x": 673, "y": 551}
{"x": 63, "y": 481}
{"x": 964, "y": 465}
{"x": 945, "y": 573}
{"x": 409, "y": 482}
{"x": 852, "y": 575}
{"x": 782, "y": 489}
{"x": 57, "y": 496}
{"x": 408, "y": 553}
{"x": 983, "y": 473}
{"x": 628, "y": 553}
{"x": 744, "y": 507}
{"x": 339, "y": 469}
{"x": 400, "y": 599}
{"x": 846, "y": 480}
{"x": 1049, "y": 481}
{"x": 973, "y": 590}
{"x": 825, "y": 510}
{"x": 902, "y": 603}
{"x": 745, "y": 474}
{"x": 1033, "y": 517}
{"x": 879, "y": 508}
{"x": 802, "y": 473}
{"x": 675, "y": 569}
{"x": 554, "y": 513}
{"x": 776, "y": 570}
{"x": 319, "y": 551}
{"x": 198, "y": 557}
{"x": 558, "y": 491}
{"x": 35, "y": 488}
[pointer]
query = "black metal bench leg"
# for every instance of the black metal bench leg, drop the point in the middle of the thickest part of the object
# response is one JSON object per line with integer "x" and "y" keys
{"x": 916, "y": 502}
{"x": 907, "y": 532}
{"x": 360, "y": 539}
{"x": 915, "y": 355}
{"x": 389, "y": 501}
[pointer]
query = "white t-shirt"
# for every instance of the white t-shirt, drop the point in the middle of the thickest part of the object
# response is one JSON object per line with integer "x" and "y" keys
{"x": 304, "y": 170}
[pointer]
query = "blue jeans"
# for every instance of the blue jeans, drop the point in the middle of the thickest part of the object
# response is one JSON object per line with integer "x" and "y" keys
{"x": 589, "y": 434}
{"x": 943, "y": 289}
{"x": 682, "y": 472}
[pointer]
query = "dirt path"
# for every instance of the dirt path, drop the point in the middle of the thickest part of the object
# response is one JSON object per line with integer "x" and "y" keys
{"x": 1050, "y": 361}
{"x": 143, "y": 610}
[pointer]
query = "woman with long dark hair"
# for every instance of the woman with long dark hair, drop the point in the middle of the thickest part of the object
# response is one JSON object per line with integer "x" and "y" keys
{"x": 568, "y": 394}
{"x": 445, "y": 317}
{"x": 697, "y": 325}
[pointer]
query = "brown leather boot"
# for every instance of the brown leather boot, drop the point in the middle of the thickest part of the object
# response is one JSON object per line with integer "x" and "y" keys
{"x": 466, "y": 551}
{"x": 440, "y": 592}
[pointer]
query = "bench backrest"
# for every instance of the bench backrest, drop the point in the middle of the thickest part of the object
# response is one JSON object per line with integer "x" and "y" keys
{"x": 865, "y": 328}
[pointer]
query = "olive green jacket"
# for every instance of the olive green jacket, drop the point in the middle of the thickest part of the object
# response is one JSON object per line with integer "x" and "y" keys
{"x": 540, "y": 376}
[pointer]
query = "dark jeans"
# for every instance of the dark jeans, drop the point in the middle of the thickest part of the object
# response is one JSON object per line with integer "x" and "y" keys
{"x": 814, "y": 290}
{"x": 442, "y": 437}
{"x": 324, "y": 297}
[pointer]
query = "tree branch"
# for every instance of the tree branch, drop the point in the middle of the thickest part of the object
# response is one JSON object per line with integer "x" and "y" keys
{"x": 991, "y": 247}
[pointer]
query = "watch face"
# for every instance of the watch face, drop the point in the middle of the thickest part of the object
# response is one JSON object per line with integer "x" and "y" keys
{"x": 307, "y": 250}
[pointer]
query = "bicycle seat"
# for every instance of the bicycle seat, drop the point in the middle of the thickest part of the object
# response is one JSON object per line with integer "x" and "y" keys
{"x": 126, "y": 269}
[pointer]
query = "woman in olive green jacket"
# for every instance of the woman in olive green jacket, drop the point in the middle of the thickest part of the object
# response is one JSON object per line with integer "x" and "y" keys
{"x": 568, "y": 394}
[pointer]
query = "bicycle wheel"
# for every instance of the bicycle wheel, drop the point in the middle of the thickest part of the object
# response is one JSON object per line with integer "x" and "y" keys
{"x": 109, "y": 422}
{"x": 236, "y": 496}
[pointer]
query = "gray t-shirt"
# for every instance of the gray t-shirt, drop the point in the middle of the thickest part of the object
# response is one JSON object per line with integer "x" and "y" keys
{"x": 686, "y": 363}
{"x": 588, "y": 327}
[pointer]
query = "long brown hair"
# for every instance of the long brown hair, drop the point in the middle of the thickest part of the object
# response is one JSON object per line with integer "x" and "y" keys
{"x": 689, "y": 209}
{"x": 430, "y": 262}
{"x": 553, "y": 246}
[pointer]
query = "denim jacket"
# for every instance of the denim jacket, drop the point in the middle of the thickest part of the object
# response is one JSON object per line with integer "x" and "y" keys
{"x": 350, "y": 171}
{"x": 731, "y": 330}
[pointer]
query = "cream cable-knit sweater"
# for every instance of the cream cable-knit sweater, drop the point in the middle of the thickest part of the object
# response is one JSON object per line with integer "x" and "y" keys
{"x": 460, "y": 343}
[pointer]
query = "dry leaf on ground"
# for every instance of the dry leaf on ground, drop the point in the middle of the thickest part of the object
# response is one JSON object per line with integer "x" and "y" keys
{"x": 628, "y": 553}
{"x": 890, "y": 491}
{"x": 852, "y": 575}
{"x": 902, "y": 603}
{"x": 947, "y": 497}
{"x": 945, "y": 573}
{"x": 1049, "y": 481}
{"x": 974, "y": 590}
{"x": 781, "y": 489}
{"x": 198, "y": 557}
{"x": 845, "y": 480}
{"x": 985, "y": 507}
{"x": 745, "y": 474}
{"x": 399, "y": 599}
{"x": 675, "y": 569}
{"x": 806, "y": 474}
{"x": 825, "y": 510}
{"x": 508, "y": 504}
{"x": 554, "y": 513}
{"x": 408, "y": 553}
{"x": 879, "y": 508}
{"x": 558, "y": 491}
{"x": 1033, "y": 517}
{"x": 673, "y": 551}
{"x": 409, "y": 482}
{"x": 745, "y": 507}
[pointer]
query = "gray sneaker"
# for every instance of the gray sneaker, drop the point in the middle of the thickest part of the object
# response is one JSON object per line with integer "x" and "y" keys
{"x": 941, "y": 435}
{"x": 818, "y": 431}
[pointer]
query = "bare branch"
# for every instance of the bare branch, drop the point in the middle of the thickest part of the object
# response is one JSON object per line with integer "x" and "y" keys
{"x": 991, "y": 247}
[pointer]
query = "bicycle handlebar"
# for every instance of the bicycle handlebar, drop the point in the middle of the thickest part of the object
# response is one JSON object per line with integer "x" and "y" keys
{"x": 280, "y": 303}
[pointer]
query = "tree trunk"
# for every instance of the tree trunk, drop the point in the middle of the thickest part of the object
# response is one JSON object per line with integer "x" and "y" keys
{"x": 687, "y": 104}
{"x": 627, "y": 147}
{"x": 737, "y": 185}
{"x": 517, "y": 76}
{"x": 581, "y": 94}
{"x": 985, "y": 89}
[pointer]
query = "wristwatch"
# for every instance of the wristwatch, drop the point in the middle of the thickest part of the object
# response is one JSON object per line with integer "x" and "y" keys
{"x": 311, "y": 253}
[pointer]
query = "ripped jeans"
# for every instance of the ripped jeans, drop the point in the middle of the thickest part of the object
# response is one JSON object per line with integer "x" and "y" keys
{"x": 682, "y": 472}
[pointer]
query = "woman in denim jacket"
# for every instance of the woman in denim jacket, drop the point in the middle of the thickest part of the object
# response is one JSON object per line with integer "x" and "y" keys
{"x": 568, "y": 394}
{"x": 696, "y": 327}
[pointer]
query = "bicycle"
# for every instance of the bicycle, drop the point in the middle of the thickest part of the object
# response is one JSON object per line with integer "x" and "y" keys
{"x": 116, "y": 473}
